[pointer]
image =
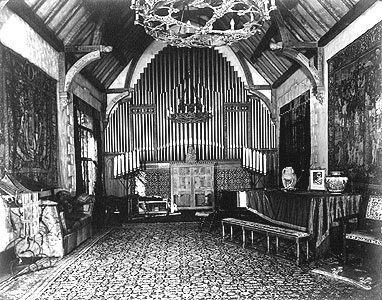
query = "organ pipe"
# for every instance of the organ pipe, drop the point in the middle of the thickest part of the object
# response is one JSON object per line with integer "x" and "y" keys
{"x": 241, "y": 126}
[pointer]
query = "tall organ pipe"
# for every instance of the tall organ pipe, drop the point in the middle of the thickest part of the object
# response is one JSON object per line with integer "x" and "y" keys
{"x": 238, "y": 122}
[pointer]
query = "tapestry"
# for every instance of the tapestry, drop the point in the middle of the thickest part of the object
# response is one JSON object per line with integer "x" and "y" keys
{"x": 158, "y": 182}
{"x": 28, "y": 139}
{"x": 233, "y": 180}
{"x": 355, "y": 109}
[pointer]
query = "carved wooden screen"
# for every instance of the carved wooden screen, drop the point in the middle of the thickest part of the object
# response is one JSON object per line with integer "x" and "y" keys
{"x": 192, "y": 185}
{"x": 295, "y": 137}
{"x": 28, "y": 122}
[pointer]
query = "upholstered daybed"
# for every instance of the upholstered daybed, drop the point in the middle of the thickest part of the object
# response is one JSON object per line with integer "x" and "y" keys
{"x": 75, "y": 215}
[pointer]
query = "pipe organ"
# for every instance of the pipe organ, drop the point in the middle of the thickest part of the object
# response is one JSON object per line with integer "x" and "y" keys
{"x": 240, "y": 124}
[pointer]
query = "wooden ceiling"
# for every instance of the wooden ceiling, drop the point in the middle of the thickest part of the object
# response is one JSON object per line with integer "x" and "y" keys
{"x": 69, "y": 23}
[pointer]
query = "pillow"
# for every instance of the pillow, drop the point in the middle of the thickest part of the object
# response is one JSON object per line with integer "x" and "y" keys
{"x": 85, "y": 198}
{"x": 64, "y": 201}
{"x": 85, "y": 203}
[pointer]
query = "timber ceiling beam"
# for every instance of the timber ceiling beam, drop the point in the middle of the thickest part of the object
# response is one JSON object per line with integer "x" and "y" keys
{"x": 79, "y": 65}
{"x": 313, "y": 15}
{"x": 282, "y": 10}
{"x": 71, "y": 59}
{"x": 118, "y": 90}
{"x": 20, "y": 8}
{"x": 260, "y": 87}
{"x": 286, "y": 48}
{"x": 264, "y": 43}
{"x": 352, "y": 15}
{"x": 279, "y": 21}
{"x": 244, "y": 65}
{"x": 97, "y": 36}
{"x": 87, "y": 48}
{"x": 329, "y": 8}
{"x": 3, "y": 3}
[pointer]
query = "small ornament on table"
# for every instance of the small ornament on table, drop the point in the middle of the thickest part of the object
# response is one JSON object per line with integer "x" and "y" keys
{"x": 288, "y": 178}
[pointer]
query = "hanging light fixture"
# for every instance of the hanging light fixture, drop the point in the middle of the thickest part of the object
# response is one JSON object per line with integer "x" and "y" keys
{"x": 190, "y": 106}
{"x": 201, "y": 23}
{"x": 190, "y": 112}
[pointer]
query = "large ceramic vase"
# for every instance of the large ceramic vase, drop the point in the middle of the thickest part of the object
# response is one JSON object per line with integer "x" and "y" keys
{"x": 336, "y": 182}
{"x": 289, "y": 178}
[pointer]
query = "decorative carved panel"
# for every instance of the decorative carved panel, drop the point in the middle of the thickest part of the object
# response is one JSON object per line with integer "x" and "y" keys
{"x": 192, "y": 185}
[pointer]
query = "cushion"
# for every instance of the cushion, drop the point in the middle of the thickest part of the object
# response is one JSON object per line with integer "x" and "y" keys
{"x": 64, "y": 201}
{"x": 85, "y": 198}
{"x": 366, "y": 237}
{"x": 84, "y": 204}
{"x": 203, "y": 214}
{"x": 374, "y": 208}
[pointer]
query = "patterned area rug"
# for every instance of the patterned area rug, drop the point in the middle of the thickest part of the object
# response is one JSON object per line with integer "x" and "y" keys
{"x": 173, "y": 261}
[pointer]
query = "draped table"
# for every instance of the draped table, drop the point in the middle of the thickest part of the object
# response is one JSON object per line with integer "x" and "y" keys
{"x": 309, "y": 211}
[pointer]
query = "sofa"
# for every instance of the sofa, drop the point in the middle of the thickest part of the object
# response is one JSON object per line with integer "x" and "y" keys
{"x": 50, "y": 226}
{"x": 75, "y": 214}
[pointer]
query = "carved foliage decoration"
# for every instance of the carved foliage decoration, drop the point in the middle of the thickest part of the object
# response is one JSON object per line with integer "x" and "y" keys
{"x": 355, "y": 108}
{"x": 30, "y": 122}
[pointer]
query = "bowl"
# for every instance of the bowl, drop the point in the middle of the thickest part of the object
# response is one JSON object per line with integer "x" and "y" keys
{"x": 336, "y": 183}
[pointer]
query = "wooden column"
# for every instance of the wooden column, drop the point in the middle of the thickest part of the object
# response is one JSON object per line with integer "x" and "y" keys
{"x": 66, "y": 163}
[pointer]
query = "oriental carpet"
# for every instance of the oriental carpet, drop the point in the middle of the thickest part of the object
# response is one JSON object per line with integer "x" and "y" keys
{"x": 173, "y": 261}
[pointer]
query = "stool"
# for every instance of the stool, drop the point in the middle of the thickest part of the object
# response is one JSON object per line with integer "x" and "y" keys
{"x": 205, "y": 216}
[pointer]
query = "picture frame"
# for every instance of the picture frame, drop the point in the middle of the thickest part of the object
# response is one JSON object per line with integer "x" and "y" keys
{"x": 317, "y": 180}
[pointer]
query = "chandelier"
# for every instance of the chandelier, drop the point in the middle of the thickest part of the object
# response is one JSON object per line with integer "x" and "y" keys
{"x": 192, "y": 112}
{"x": 190, "y": 107}
{"x": 201, "y": 23}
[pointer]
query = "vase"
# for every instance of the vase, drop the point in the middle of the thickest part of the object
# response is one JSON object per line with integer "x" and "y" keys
{"x": 336, "y": 182}
{"x": 288, "y": 178}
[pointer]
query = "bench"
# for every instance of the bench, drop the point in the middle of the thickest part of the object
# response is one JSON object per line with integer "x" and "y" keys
{"x": 268, "y": 230}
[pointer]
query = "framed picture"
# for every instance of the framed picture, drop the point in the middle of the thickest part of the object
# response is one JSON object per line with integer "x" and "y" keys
{"x": 317, "y": 180}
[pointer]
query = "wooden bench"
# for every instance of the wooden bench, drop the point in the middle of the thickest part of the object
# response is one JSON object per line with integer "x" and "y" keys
{"x": 268, "y": 230}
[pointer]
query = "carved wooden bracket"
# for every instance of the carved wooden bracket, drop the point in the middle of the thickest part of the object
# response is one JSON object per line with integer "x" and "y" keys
{"x": 315, "y": 75}
{"x": 303, "y": 61}
{"x": 82, "y": 63}
{"x": 288, "y": 49}
{"x": 113, "y": 103}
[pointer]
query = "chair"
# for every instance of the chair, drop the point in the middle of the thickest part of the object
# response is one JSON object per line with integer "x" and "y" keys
{"x": 369, "y": 227}
{"x": 207, "y": 217}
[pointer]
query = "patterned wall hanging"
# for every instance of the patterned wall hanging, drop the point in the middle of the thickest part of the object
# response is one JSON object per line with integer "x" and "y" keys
{"x": 158, "y": 182}
{"x": 28, "y": 139}
{"x": 355, "y": 108}
{"x": 232, "y": 180}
